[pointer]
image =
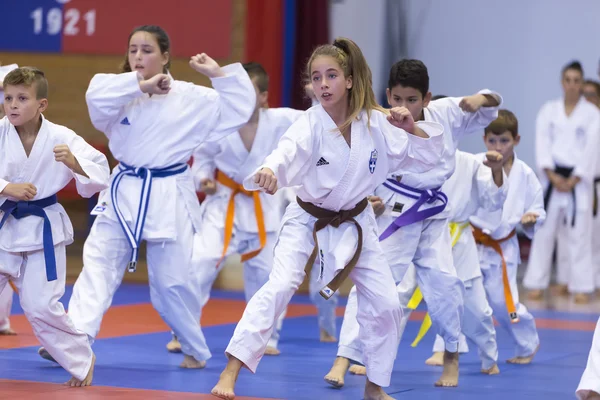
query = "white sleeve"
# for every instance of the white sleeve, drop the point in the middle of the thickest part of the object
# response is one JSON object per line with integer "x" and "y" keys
{"x": 585, "y": 167}
{"x": 534, "y": 202}
{"x": 233, "y": 100}
{"x": 543, "y": 140}
{"x": 93, "y": 163}
{"x": 204, "y": 165}
{"x": 484, "y": 190}
{"x": 465, "y": 122}
{"x": 107, "y": 95}
{"x": 3, "y": 184}
{"x": 291, "y": 159}
{"x": 410, "y": 153}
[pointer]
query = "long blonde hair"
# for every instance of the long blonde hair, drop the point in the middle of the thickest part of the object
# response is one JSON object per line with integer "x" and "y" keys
{"x": 353, "y": 63}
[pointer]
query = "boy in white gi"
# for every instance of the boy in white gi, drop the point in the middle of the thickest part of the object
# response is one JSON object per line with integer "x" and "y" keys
{"x": 6, "y": 296}
{"x": 471, "y": 186}
{"x": 234, "y": 220}
{"x": 337, "y": 152}
{"x": 154, "y": 124}
{"x": 498, "y": 245}
{"x": 567, "y": 143}
{"x": 415, "y": 228}
{"x": 39, "y": 159}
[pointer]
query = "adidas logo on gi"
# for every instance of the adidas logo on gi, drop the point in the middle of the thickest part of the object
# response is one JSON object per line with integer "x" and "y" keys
{"x": 322, "y": 161}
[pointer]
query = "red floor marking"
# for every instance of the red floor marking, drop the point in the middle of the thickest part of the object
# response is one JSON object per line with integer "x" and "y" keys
{"x": 142, "y": 318}
{"x": 52, "y": 391}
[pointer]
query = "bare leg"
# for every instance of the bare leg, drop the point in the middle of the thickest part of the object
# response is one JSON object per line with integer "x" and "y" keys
{"x": 449, "y": 376}
{"x": 437, "y": 359}
{"x": 375, "y": 392}
{"x": 87, "y": 381}
{"x": 224, "y": 388}
{"x": 335, "y": 377}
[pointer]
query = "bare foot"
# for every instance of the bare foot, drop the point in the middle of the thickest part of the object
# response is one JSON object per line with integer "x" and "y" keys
{"x": 224, "y": 388}
{"x": 325, "y": 337}
{"x": 535, "y": 295}
{"x": 191, "y": 363}
{"x": 449, "y": 376}
{"x": 582, "y": 298}
{"x": 523, "y": 360}
{"x": 7, "y": 332}
{"x": 375, "y": 392}
{"x": 437, "y": 359}
{"x": 87, "y": 381}
{"x": 561, "y": 290}
{"x": 174, "y": 346}
{"x": 494, "y": 370}
{"x": 45, "y": 355}
{"x": 336, "y": 374}
{"x": 358, "y": 369}
{"x": 593, "y": 396}
{"x": 272, "y": 351}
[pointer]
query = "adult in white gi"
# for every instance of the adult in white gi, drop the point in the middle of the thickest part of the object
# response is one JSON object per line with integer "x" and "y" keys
{"x": 335, "y": 173}
{"x": 39, "y": 159}
{"x": 567, "y": 143}
{"x": 153, "y": 124}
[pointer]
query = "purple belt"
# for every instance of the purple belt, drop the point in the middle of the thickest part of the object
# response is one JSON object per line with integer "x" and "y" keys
{"x": 413, "y": 214}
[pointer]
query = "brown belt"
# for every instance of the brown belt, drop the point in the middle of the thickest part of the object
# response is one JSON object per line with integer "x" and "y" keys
{"x": 334, "y": 218}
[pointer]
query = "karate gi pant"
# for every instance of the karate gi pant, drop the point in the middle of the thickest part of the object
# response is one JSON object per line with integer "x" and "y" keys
{"x": 596, "y": 249}
{"x": 378, "y": 315}
{"x": 209, "y": 247}
{"x": 427, "y": 244}
{"x": 6, "y": 299}
{"x": 325, "y": 307}
{"x": 39, "y": 300}
{"x": 578, "y": 262}
{"x": 590, "y": 380}
{"x": 172, "y": 274}
{"x": 524, "y": 333}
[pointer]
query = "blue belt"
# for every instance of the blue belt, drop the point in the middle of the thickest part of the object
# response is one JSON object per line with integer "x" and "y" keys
{"x": 22, "y": 209}
{"x": 146, "y": 174}
{"x": 413, "y": 214}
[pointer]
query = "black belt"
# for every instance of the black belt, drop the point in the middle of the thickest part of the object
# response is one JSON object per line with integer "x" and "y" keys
{"x": 565, "y": 172}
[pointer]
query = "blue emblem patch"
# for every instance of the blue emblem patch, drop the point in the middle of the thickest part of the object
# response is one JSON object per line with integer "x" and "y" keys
{"x": 373, "y": 161}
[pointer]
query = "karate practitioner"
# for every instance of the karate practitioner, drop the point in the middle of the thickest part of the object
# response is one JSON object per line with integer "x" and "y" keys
{"x": 471, "y": 186}
{"x": 567, "y": 143}
{"x": 6, "y": 295}
{"x": 497, "y": 242}
{"x": 415, "y": 228}
{"x": 589, "y": 386}
{"x": 234, "y": 220}
{"x": 153, "y": 124}
{"x": 39, "y": 159}
{"x": 337, "y": 152}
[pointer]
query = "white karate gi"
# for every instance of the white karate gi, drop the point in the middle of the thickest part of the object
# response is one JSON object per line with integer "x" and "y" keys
{"x": 590, "y": 380}
{"x": 568, "y": 141}
{"x": 596, "y": 226}
{"x": 471, "y": 186}
{"x": 155, "y": 132}
{"x": 336, "y": 177}
{"x": 21, "y": 240}
{"x": 6, "y": 296}
{"x": 231, "y": 158}
{"x": 524, "y": 195}
{"x": 6, "y": 300}
{"x": 426, "y": 243}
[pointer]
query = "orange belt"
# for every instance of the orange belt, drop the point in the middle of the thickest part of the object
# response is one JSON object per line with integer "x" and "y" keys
{"x": 236, "y": 188}
{"x": 486, "y": 240}
{"x": 12, "y": 285}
